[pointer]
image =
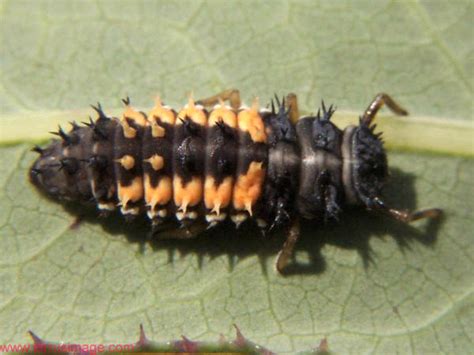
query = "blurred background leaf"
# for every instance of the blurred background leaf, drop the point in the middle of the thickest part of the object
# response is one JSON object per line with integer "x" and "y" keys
{"x": 369, "y": 285}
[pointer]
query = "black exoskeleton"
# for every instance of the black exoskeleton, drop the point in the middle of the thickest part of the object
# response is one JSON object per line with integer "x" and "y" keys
{"x": 195, "y": 168}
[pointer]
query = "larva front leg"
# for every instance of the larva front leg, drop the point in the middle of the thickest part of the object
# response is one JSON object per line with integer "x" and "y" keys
{"x": 377, "y": 103}
{"x": 373, "y": 163}
{"x": 404, "y": 216}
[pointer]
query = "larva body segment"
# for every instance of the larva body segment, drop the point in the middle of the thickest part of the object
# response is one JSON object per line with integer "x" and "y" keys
{"x": 157, "y": 152}
{"x": 195, "y": 166}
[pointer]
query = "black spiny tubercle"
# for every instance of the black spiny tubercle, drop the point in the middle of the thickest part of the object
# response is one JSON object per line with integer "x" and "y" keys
{"x": 192, "y": 169}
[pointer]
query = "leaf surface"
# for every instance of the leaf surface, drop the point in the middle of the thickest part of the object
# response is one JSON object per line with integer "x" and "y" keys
{"x": 368, "y": 284}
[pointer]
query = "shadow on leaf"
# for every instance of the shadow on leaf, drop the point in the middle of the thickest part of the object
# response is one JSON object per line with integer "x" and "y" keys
{"x": 353, "y": 232}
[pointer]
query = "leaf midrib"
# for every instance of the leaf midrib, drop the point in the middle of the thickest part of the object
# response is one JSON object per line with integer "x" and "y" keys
{"x": 411, "y": 133}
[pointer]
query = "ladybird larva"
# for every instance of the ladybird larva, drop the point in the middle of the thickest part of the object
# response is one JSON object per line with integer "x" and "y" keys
{"x": 197, "y": 167}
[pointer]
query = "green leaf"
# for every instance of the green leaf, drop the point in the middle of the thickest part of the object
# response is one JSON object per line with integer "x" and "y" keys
{"x": 370, "y": 284}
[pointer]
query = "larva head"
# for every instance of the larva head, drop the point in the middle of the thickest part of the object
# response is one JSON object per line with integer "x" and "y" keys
{"x": 368, "y": 163}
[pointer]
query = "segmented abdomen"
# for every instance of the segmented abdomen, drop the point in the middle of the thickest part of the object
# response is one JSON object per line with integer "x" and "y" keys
{"x": 198, "y": 165}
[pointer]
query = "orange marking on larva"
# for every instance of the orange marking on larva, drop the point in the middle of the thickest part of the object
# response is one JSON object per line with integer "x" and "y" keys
{"x": 157, "y": 162}
{"x": 128, "y": 131}
{"x": 248, "y": 187}
{"x": 223, "y": 114}
{"x": 249, "y": 120}
{"x": 160, "y": 114}
{"x": 138, "y": 117}
{"x": 217, "y": 196}
{"x": 127, "y": 162}
{"x": 160, "y": 194}
{"x": 194, "y": 113}
{"x": 130, "y": 193}
{"x": 156, "y": 130}
{"x": 187, "y": 195}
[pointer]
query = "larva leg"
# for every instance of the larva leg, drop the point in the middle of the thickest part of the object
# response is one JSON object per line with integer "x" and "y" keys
{"x": 231, "y": 95}
{"x": 287, "y": 250}
{"x": 405, "y": 216}
{"x": 378, "y": 101}
{"x": 292, "y": 105}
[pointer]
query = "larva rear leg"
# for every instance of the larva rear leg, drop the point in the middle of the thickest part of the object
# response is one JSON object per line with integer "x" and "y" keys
{"x": 378, "y": 101}
{"x": 231, "y": 95}
{"x": 286, "y": 251}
